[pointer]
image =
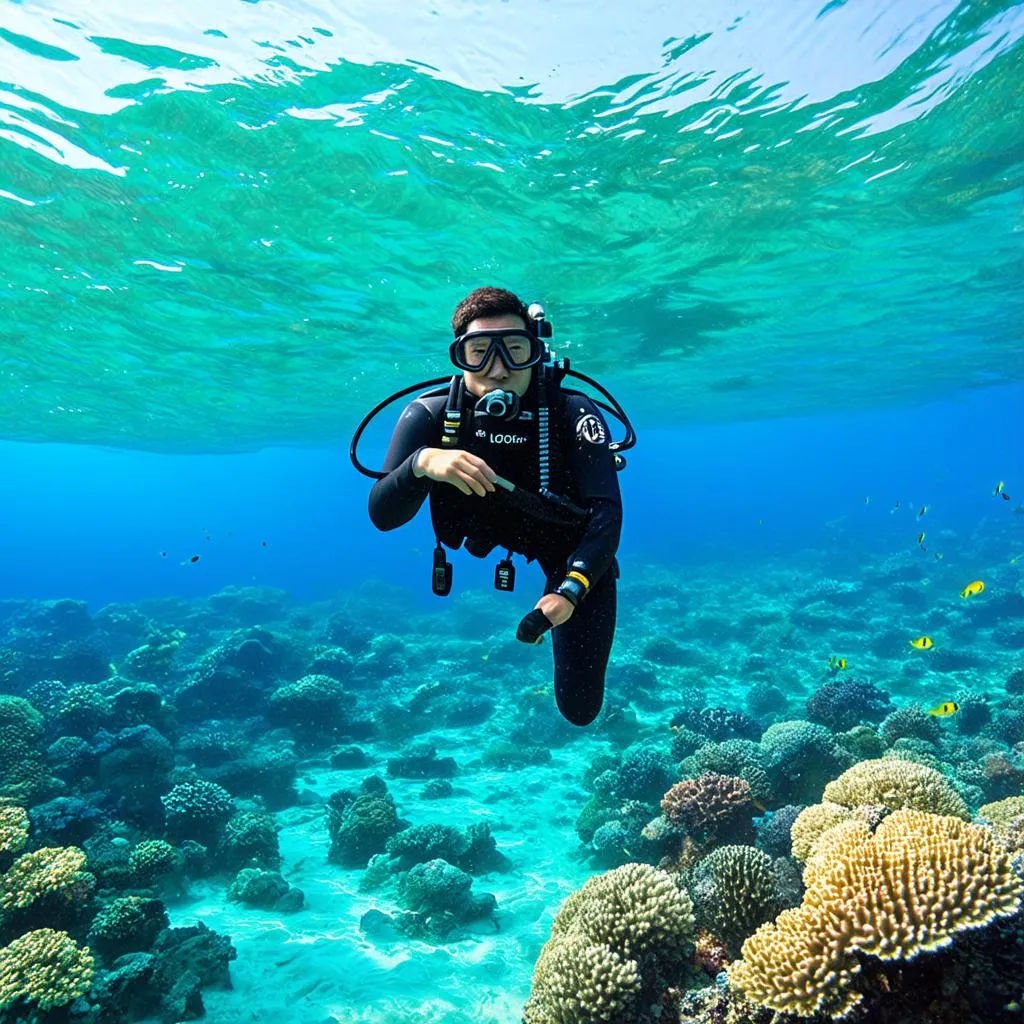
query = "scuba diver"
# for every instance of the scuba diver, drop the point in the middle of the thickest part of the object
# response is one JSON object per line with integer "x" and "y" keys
{"x": 512, "y": 460}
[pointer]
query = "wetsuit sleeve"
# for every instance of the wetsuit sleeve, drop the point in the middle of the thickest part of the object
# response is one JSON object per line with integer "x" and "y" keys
{"x": 592, "y": 467}
{"x": 397, "y": 497}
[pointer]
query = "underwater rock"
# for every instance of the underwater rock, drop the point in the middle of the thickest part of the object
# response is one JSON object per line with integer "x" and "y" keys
{"x": 353, "y": 636}
{"x": 234, "y": 678}
{"x": 248, "y": 606}
{"x": 438, "y": 888}
{"x": 1015, "y": 681}
{"x": 198, "y": 950}
{"x": 64, "y": 821}
{"x": 134, "y": 767}
{"x": 420, "y": 761}
{"x": 314, "y": 708}
{"x": 81, "y": 661}
{"x": 378, "y": 925}
{"x": 360, "y": 825}
{"x": 335, "y": 662}
{"x": 266, "y": 890}
{"x": 128, "y": 924}
{"x": 128, "y": 991}
{"x": 350, "y": 757}
{"x": 437, "y": 789}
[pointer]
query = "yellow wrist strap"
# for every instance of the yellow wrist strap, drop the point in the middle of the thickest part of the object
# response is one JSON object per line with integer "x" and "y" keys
{"x": 579, "y": 577}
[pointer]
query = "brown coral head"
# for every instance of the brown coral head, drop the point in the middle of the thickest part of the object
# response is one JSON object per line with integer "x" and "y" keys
{"x": 711, "y": 955}
{"x": 999, "y": 766}
{"x": 707, "y": 803}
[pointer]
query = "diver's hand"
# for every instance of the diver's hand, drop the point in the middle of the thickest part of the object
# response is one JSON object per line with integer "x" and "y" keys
{"x": 556, "y": 609}
{"x": 459, "y": 468}
{"x": 550, "y": 611}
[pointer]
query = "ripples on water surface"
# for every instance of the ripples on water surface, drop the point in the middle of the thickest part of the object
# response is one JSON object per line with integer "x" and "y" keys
{"x": 230, "y": 224}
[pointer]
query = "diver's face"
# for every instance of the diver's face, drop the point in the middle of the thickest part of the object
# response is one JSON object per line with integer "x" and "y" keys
{"x": 496, "y": 374}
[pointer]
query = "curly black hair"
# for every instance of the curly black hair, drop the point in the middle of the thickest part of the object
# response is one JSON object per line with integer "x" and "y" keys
{"x": 488, "y": 302}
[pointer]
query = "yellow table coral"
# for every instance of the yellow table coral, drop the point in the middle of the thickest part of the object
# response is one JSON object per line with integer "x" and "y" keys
{"x": 895, "y": 784}
{"x": 910, "y": 888}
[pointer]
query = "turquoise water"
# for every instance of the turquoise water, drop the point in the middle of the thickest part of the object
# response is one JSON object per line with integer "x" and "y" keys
{"x": 232, "y": 225}
{"x": 790, "y": 240}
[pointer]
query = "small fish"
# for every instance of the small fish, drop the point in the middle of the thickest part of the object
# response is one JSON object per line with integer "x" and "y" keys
{"x": 922, "y": 643}
{"x": 1000, "y": 490}
{"x": 971, "y": 589}
{"x": 895, "y": 507}
{"x": 920, "y": 538}
{"x": 263, "y": 543}
{"x": 938, "y": 556}
{"x": 924, "y": 508}
{"x": 950, "y": 707}
{"x": 836, "y": 664}
{"x": 867, "y": 501}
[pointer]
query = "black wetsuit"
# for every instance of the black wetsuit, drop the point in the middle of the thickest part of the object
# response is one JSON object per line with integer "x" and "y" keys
{"x": 583, "y": 471}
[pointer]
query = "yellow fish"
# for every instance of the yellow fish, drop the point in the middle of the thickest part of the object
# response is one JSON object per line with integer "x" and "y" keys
{"x": 1000, "y": 490}
{"x": 837, "y": 663}
{"x": 924, "y": 508}
{"x": 920, "y": 537}
{"x": 922, "y": 643}
{"x": 972, "y": 588}
{"x": 950, "y": 707}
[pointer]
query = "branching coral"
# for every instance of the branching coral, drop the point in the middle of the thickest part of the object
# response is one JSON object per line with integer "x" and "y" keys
{"x": 709, "y": 805}
{"x": 52, "y": 871}
{"x": 911, "y": 888}
{"x": 734, "y": 891}
{"x": 624, "y": 931}
{"x": 13, "y": 829}
{"x": 46, "y": 968}
{"x": 1007, "y": 817}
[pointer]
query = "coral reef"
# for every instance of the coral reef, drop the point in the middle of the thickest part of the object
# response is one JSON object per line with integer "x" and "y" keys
{"x": 615, "y": 945}
{"x": 711, "y": 807}
{"x": 910, "y": 888}
{"x": 44, "y": 969}
{"x": 895, "y": 784}
{"x": 734, "y": 891}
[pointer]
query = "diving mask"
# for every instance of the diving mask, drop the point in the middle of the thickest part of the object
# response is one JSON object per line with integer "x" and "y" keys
{"x": 518, "y": 349}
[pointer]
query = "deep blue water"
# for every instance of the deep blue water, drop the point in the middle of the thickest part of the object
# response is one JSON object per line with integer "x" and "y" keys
{"x": 92, "y": 524}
